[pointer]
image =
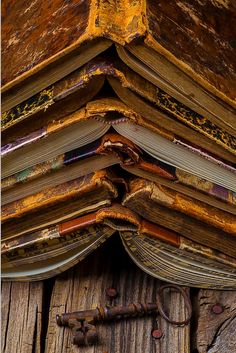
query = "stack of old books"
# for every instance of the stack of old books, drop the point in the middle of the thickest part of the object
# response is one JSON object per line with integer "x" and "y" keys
{"x": 119, "y": 116}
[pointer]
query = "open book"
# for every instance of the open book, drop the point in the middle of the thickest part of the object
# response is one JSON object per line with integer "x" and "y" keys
{"x": 82, "y": 128}
{"x": 119, "y": 116}
{"x": 141, "y": 98}
{"x": 159, "y": 251}
{"x": 156, "y": 40}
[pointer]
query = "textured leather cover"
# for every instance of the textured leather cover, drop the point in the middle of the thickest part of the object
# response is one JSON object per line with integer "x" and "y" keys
{"x": 156, "y": 205}
{"x": 130, "y": 157}
{"x": 192, "y": 186}
{"x": 177, "y": 201}
{"x": 211, "y": 63}
{"x": 167, "y": 113}
{"x": 131, "y": 88}
{"x": 198, "y": 37}
{"x": 60, "y": 201}
{"x": 54, "y": 102}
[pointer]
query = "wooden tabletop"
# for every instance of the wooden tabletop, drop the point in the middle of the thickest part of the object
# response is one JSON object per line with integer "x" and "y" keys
{"x": 29, "y": 311}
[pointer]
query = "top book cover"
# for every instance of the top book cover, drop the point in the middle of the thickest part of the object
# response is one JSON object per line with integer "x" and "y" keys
{"x": 198, "y": 37}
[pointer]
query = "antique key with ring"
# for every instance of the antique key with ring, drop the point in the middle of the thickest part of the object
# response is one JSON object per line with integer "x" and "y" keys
{"x": 82, "y": 322}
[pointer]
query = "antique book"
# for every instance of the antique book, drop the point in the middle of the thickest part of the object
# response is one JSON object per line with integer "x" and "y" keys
{"x": 197, "y": 68}
{"x": 158, "y": 251}
{"x": 61, "y": 202}
{"x": 110, "y": 150}
{"x": 145, "y": 99}
{"x": 84, "y": 126}
{"x": 55, "y": 101}
{"x": 119, "y": 116}
{"x": 197, "y": 220}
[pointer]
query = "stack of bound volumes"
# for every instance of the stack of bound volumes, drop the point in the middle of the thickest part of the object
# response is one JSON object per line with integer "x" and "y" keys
{"x": 119, "y": 116}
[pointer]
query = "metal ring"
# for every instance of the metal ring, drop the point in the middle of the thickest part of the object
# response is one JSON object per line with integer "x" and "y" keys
{"x": 186, "y": 301}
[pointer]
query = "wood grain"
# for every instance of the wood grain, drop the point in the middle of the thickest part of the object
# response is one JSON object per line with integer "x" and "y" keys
{"x": 24, "y": 329}
{"x": 84, "y": 287}
{"x": 21, "y": 317}
{"x": 216, "y": 332}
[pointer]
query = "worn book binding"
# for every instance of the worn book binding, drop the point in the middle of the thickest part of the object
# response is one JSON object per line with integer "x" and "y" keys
{"x": 96, "y": 119}
{"x": 80, "y": 31}
{"x": 158, "y": 251}
{"x": 170, "y": 117}
{"x": 157, "y": 108}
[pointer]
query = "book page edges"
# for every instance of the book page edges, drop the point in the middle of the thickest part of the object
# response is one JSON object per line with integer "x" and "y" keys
{"x": 152, "y": 43}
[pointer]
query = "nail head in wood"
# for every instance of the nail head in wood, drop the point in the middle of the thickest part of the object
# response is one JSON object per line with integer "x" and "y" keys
{"x": 217, "y": 309}
{"x": 157, "y": 333}
{"x": 111, "y": 293}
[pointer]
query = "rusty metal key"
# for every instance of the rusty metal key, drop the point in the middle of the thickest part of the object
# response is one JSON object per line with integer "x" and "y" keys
{"x": 82, "y": 322}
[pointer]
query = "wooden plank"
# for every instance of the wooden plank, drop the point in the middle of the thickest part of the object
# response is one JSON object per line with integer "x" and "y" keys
{"x": 216, "y": 332}
{"x": 84, "y": 287}
{"x": 21, "y": 317}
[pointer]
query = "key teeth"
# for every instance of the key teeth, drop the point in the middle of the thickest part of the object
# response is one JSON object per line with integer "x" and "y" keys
{"x": 85, "y": 339}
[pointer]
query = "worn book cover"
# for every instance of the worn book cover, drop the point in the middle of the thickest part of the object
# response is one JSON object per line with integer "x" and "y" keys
{"x": 145, "y": 199}
{"x": 139, "y": 95}
{"x": 158, "y": 251}
{"x": 60, "y": 202}
{"x": 110, "y": 150}
{"x": 65, "y": 45}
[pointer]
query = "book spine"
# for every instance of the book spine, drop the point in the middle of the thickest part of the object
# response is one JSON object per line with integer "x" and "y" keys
{"x": 118, "y": 20}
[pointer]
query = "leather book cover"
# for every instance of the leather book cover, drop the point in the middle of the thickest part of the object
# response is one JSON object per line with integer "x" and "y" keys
{"x": 56, "y": 101}
{"x": 59, "y": 202}
{"x": 76, "y": 33}
{"x": 109, "y": 150}
{"x": 212, "y": 40}
{"x": 182, "y": 203}
{"x": 163, "y": 110}
{"x": 210, "y": 64}
{"x": 141, "y": 96}
{"x": 150, "y": 246}
{"x": 143, "y": 199}
{"x": 103, "y": 110}
{"x": 190, "y": 185}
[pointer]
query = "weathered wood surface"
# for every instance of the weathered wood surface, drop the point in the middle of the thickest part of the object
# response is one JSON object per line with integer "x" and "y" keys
{"x": 26, "y": 330}
{"x": 21, "y": 317}
{"x": 216, "y": 333}
{"x": 84, "y": 288}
